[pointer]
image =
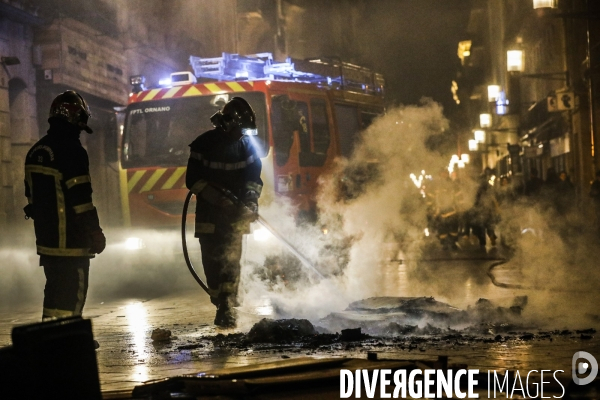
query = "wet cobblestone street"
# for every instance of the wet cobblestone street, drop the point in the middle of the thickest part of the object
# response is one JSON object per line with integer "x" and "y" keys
{"x": 127, "y": 355}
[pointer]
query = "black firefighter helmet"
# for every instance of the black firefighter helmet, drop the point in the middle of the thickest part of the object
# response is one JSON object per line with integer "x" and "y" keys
{"x": 236, "y": 113}
{"x": 71, "y": 107}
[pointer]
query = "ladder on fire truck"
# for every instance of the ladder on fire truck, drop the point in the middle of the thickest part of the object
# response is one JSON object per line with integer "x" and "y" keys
{"x": 332, "y": 73}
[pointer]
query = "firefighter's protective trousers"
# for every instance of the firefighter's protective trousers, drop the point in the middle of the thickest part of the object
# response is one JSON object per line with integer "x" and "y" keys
{"x": 66, "y": 285}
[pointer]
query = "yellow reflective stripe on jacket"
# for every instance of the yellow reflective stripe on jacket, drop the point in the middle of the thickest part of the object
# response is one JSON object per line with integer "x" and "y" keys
{"x": 78, "y": 180}
{"x": 204, "y": 227}
{"x": 81, "y": 292}
{"x": 62, "y": 215}
{"x": 199, "y": 186}
{"x": 222, "y": 165}
{"x": 53, "y": 251}
{"x": 254, "y": 186}
{"x": 60, "y": 198}
{"x": 227, "y": 287}
{"x": 83, "y": 208}
{"x": 56, "y": 313}
{"x": 38, "y": 169}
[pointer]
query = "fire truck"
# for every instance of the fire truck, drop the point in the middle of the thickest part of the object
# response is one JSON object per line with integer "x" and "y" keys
{"x": 308, "y": 113}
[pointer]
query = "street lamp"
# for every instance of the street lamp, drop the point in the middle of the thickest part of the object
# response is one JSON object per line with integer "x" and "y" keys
{"x": 514, "y": 61}
{"x": 472, "y": 145}
{"x": 485, "y": 120}
{"x": 544, "y": 4}
{"x": 493, "y": 92}
{"x": 479, "y": 136}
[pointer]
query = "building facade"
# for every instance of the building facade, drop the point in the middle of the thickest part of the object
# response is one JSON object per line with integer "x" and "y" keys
{"x": 526, "y": 68}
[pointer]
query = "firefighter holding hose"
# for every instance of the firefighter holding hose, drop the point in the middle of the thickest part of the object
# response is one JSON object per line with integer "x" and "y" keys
{"x": 224, "y": 166}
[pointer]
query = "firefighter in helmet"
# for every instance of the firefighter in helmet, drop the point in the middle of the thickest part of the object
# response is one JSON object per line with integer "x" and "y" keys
{"x": 59, "y": 193}
{"x": 224, "y": 167}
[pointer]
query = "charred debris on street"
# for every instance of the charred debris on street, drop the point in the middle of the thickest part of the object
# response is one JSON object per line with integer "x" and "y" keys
{"x": 377, "y": 324}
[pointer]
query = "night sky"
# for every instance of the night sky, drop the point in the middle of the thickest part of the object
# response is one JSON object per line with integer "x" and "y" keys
{"x": 416, "y": 47}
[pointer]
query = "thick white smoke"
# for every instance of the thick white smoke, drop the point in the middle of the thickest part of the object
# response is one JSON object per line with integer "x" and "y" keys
{"x": 368, "y": 205}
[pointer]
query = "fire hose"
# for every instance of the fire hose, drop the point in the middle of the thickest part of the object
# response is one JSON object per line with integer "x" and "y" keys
{"x": 305, "y": 262}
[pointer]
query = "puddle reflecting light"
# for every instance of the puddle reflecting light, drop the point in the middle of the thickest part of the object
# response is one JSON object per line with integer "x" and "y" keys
{"x": 137, "y": 322}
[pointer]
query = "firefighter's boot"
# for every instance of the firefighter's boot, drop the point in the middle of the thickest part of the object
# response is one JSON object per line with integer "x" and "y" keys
{"x": 225, "y": 317}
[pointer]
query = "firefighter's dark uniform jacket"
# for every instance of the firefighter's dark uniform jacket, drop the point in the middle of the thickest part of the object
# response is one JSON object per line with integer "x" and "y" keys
{"x": 59, "y": 192}
{"x": 234, "y": 165}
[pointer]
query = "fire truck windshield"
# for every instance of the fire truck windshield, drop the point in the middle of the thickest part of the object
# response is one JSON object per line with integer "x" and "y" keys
{"x": 157, "y": 133}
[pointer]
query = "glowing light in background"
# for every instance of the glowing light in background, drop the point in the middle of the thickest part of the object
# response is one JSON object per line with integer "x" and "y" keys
{"x": 134, "y": 243}
{"x": 502, "y": 104}
{"x": 493, "y": 92}
{"x": 544, "y": 4}
{"x": 264, "y": 307}
{"x": 514, "y": 61}
{"x": 473, "y": 145}
{"x": 137, "y": 322}
{"x": 485, "y": 120}
{"x": 454, "y": 90}
{"x": 261, "y": 234}
{"x": 479, "y": 136}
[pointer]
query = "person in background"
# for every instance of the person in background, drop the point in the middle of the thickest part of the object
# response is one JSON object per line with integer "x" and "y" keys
{"x": 564, "y": 191}
{"x": 484, "y": 213}
{"x": 533, "y": 186}
{"x": 595, "y": 195}
{"x": 58, "y": 188}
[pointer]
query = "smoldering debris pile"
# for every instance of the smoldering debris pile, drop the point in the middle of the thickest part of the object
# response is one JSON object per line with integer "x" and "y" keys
{"x": 282, "y": 330}
{"x": 390, "y": 324}
{"x": 390, "y": 316}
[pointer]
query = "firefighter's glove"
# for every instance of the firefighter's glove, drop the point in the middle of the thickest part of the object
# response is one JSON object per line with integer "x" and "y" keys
{"x": 28, "y": 209}
{"x": 250, "y": 211}
{"x": 98, "y": 241}
{"x": 90, "y": 226}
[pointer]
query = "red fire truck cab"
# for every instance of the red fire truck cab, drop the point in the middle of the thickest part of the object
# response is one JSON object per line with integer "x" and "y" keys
{"x": 308, "y": 113}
